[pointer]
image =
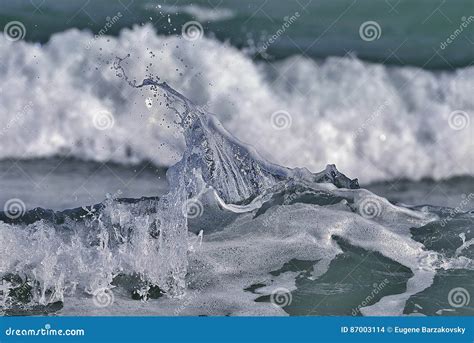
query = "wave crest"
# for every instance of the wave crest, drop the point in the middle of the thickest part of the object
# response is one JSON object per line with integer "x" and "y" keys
{"x": 385, "y": 121}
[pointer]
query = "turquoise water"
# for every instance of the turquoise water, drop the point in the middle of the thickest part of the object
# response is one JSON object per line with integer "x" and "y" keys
{"x": 233, "y": 235}
{"x": 412, "y": 32}
{"x": 73, "y": 131}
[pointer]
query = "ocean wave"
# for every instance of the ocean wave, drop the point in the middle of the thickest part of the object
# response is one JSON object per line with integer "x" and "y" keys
{"x": 258, "y": 217}
{"x": 373, "y": 121}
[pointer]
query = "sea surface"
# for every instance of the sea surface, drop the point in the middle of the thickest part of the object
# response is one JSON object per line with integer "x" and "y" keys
{"x": 150, "y": 170}
{"x": 411, "y": 31}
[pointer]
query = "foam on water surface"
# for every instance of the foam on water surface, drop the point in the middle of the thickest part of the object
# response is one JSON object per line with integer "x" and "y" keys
{"x": 258, "y": 216}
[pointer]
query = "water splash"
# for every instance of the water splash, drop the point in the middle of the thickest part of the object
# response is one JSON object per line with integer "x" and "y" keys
{"x": 146, "y": 240}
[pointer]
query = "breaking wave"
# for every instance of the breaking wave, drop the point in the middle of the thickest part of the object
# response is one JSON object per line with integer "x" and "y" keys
{"x": 219, "y": 240}
{"x": 375, "y": 121}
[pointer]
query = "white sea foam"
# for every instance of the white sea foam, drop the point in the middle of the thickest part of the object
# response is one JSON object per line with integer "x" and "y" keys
{"x": 372, "y": 121}
{"x": 148, "y": 239}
